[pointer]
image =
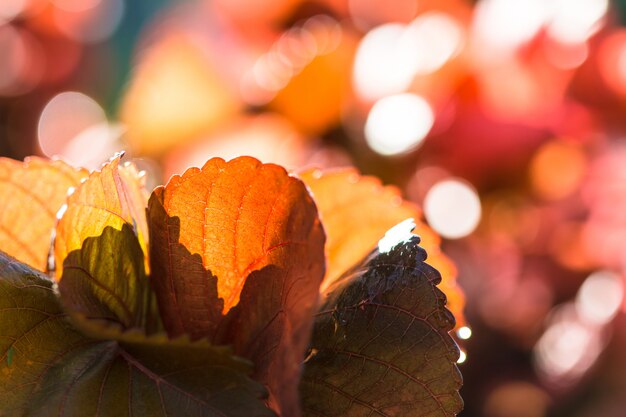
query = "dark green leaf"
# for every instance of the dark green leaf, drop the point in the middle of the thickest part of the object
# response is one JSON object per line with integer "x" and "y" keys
{"x": 105, "y": 282}
{"x": 150, "y": 379}
{"x": 47, "y": 368}
{"x": 380, "y": 344}
{"x": 34, "y": 333}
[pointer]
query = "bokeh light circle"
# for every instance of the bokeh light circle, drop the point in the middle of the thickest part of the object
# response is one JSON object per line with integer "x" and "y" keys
{"x": 452, "y": 208}
{"x": 398, "y": 123}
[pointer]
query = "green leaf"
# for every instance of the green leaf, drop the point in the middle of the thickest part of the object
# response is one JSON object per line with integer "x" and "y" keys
{"x": 104, "y": 282}
{"x": 48, "y": 368}
{"x": 380, "y": 344}
{"x": 150, "y": 379}
{"x": 34, "y": 333}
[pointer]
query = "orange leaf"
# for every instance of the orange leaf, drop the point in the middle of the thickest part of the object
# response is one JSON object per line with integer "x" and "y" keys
{"x": 247, "y": 235}
{"x": 111, "y": 197}
{"x": 31, "y": 193}
{"x": 357, "y": 211}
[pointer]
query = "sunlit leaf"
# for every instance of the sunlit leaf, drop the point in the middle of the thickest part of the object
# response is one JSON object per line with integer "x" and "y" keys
{"x": 186, "y": 292}
{"x": 31, "y": 193}
{"x": 243, "y": 239}
{"x": 104, "y": 282}
{"x": 380, "y": 344}
{"x": 47, "y": 368}
{"x": 111, "y": 197}
{"x": 357, "y": 211}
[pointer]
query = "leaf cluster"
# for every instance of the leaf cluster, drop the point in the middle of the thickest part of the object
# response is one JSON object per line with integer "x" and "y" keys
{"x": 210, "y": 297}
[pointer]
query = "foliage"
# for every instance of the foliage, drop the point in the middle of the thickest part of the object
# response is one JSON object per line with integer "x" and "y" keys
{"x": 201, "y": 299}
{"x": 380, "y": 344}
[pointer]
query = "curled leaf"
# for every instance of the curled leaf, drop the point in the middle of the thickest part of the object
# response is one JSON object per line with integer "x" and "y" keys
{"x": 243, "y": 239}
{"x": 380, "y": 345}
{"x": 31, "y": 193}
{"x": 356, "y": 212}
{"x": 111, "y": 197}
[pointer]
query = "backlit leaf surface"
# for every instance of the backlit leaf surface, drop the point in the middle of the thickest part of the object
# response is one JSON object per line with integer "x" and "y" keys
{"x": 31, "y": 193}
{"x": 380, "y": 344}
{"x": 243, "y": 239}
{"x": 356, "y": 212}
{"x": 49, "y": 369}
{"x": 98, "y": 248}
{"x": 113, "y": 196}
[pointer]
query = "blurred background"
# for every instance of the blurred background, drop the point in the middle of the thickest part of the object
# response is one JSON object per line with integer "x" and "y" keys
{"x": 504, "y": 119}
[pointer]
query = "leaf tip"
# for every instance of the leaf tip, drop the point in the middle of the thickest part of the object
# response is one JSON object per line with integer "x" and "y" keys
{"x": 119, "y": 155}
{"x": 400, "y": 233}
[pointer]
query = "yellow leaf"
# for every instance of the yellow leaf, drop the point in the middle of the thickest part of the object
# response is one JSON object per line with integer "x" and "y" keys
{"x": 356, "y": 211}
{"x": 111, "y": 197}
{"x": 31, "y": 193}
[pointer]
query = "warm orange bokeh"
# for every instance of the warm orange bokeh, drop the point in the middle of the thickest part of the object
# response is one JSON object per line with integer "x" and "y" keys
{"x": 557, "y": 169}
{"x": 313, "y": 99}
{"x": 176, "y": 96}
{"x": 268, "y": 137}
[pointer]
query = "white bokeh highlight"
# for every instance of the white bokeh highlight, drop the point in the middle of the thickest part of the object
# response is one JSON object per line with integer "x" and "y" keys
{"x": 398, "y": 124}
{"x": 452, "y": 208}
{"x": 600, "y": 297}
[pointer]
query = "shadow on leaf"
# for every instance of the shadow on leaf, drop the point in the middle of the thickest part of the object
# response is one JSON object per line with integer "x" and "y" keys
{"x": 186, "y": 291}
{"x": 103, "y": 284}
{"x": 56, "y": 370}
{"x": 270, "y": 325}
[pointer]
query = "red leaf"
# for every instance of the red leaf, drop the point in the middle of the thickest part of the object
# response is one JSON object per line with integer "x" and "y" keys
{"x": 242, "y": 238}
